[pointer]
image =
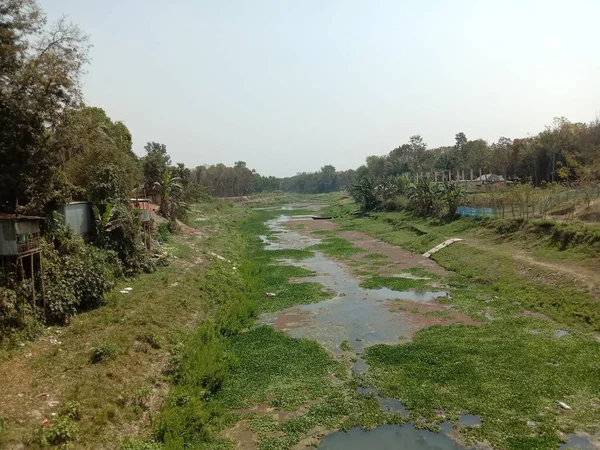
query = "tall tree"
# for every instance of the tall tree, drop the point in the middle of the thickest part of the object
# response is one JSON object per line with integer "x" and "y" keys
{"x": 40, "y": 72}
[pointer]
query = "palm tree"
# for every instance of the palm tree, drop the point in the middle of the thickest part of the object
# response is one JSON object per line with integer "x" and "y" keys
{"x": 170, "y": 190}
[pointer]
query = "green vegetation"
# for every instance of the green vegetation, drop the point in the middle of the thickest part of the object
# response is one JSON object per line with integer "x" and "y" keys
{"x": 345, "y": 346}
{"x": 394, "y": 283}
{"x": 501, "y": 372}
{"x": 336, "y": 247}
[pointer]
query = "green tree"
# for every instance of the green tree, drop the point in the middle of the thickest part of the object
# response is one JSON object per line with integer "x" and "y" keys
{"x": 155, "y": 163}
{"x": 170, "y": 191}
{"x": 40, "y": 72}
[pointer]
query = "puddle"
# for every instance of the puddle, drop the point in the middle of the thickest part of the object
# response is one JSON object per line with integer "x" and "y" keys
{"x": 468, "y": 420}
{"x": 361, "y": 316}
{"x": 388, "y": 437}
{"x": 578, "y": 442}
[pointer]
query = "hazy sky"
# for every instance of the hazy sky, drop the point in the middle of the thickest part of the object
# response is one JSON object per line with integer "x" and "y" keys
{"x": 292, "y": 85}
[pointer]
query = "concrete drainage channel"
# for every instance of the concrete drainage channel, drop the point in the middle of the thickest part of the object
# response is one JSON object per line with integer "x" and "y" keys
{"x": 361, "y": 317}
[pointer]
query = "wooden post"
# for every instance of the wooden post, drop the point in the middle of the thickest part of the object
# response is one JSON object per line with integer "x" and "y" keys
{"x": 42, "y": 282}
{"x": 32, "y": 284}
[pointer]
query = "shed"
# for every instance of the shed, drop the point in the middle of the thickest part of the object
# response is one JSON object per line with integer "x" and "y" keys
{"x": 19, "y": 235}
{"x": 79, "y": 216}
{"x": 144, "y": 205}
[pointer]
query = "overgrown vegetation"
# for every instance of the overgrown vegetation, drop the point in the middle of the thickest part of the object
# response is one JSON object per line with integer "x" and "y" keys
{"x": 509, "y": 373}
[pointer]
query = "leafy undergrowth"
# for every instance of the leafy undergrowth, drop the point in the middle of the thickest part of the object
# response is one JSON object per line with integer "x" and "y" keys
{"x": 508, "y": 372}
{"x": 276, "y": 369}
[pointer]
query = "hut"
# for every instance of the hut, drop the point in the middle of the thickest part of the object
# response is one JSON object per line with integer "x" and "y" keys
{"x": 20, "y": 247}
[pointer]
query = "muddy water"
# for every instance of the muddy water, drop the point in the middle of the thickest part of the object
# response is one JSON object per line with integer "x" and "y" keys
{"x": 388, "y": 437}
{"x": 357, "y": 315}
{"x": 363, "y": 318}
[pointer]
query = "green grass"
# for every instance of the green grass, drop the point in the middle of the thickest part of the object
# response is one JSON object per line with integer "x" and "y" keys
{"x": 393, "y": 283}
{"x": 502, "y": 373}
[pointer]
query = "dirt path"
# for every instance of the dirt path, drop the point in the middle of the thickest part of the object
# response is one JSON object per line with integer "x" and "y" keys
{"x": 585, "y": 277}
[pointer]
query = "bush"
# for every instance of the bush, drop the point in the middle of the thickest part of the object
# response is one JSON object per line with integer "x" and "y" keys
{"x": 395, "y": 204}
{"x": 118, "y": 228}
{"x": 163, "y": 232}
{"x": 76, "y": 280}
{"x": 59, "y": 432}
{"x": 103, "y": 352}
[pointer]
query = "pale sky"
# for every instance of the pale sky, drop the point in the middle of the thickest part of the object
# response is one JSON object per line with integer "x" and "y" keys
{"x": 292, "y": 85}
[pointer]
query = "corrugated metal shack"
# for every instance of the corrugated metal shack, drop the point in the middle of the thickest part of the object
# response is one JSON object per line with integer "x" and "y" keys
{"x": 21, "y": 250}
{"x": 19, "y": 235}
{"x": 79, "y": 216}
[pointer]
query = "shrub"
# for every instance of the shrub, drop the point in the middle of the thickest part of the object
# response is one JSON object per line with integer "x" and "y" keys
{"x": 77, "y": 276}
{"x": 163, "y": 232}
{"x": 72, "y": 410}
{"x": 61, "y": 431}
{"x": 103, "y": 352}
{"x": 118, "y": 228}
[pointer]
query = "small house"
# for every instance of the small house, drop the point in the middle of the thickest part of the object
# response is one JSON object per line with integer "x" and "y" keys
{"x": 19, "y": 235}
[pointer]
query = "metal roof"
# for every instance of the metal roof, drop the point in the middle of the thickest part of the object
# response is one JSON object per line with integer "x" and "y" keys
{"x": 9, "y": 216}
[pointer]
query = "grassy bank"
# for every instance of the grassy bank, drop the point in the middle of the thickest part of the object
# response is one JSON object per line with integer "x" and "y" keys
{"x": 487, "y": 258}
{"x": 514, "y": 369}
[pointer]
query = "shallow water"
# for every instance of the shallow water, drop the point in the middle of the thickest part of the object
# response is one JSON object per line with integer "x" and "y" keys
{"x": 390, "y": 405}
{"x": 578, "y": 442}
{"x": 388, "y": 437}
{"x": 363, "y": 318}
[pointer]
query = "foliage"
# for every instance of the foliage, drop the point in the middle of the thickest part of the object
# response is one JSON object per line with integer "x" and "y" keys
{"x": 60, "y": 431}
{"x": 170, "y": 191}
{"x": 155, "y": 164}
{"x": 41, "y": 70}
{"x": 364, "y": 192}
{"x": 118, "y": 229}
{"x": 96, "y": 155}
{"x": 103, "y": 352}
{"x": 500, "y": 372}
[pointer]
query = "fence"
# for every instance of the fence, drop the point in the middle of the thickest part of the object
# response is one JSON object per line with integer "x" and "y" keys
{"x": 467, "y": 211}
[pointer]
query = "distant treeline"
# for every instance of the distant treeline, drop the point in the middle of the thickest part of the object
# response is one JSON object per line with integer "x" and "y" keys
{"x": 223, "y": 181}
{"x": 563, "y": 152}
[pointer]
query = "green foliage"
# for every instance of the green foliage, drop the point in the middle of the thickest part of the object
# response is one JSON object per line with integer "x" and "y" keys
{"x": 103, "y": 352}
{"x": 118, "y": 229}
{"x": 163, "y": 232}
{"x": 393, "y": 283}
{"x": 345, "y": 346}
{"x": 170, "y": 190}
{"x": 41, "y": 69}
{"x": 500, "y": 372}
{"x": 72, "y": 410}
{"x": 76, "y": 276}
{"x": 364, "y": 193}
{"x": 60, "y": 432}
{"x": 337, "y": 247}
